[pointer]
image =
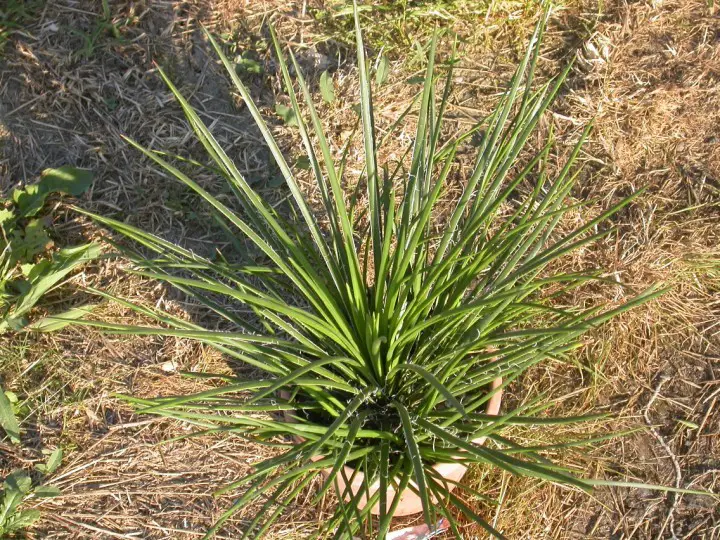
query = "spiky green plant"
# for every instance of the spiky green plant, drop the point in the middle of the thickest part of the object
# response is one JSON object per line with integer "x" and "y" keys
{"x": 384, "y": 330}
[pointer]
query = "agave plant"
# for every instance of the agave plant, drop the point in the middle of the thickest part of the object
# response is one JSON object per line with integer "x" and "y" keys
{"x": 381, "y": 332}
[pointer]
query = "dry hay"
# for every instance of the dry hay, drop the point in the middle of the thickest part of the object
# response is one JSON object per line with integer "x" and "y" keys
{"x": 648, "y": 75}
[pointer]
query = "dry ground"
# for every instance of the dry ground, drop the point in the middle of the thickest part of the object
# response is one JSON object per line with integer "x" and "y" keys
{"x": 649, "y": 75}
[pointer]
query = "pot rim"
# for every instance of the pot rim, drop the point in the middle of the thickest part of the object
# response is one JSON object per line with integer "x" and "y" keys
{"x": 451, "y": 471}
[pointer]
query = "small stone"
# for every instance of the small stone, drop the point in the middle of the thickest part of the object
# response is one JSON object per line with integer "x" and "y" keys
{"x": 169, "y": 367}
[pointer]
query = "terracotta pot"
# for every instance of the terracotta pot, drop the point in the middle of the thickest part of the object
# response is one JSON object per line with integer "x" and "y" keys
{"x": 410, "y": 502}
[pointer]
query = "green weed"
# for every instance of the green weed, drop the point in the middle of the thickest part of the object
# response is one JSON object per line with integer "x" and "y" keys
{"x": 28, "y": 268}
{"x": 105, "y": 30}
{"x": 18, "y": 488}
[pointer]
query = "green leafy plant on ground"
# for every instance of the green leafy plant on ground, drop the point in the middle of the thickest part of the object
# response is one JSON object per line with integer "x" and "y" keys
{"x": 17, "y": 489}
{"x": 383, "y": 335}
{"x": 28, "y": 268}
{"x": 28, "y": 271}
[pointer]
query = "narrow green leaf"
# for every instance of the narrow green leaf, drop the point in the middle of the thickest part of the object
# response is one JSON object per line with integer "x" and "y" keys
{"x": 416, "y": 459}
{"x": 61, "y": 320}
{"x": 655, "y": 487}
{"x": 432, "y": 380}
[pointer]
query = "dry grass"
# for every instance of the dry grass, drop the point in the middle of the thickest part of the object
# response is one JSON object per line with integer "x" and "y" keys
{"x": 648, "y": 75}
{"x": 649, "y": 78}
